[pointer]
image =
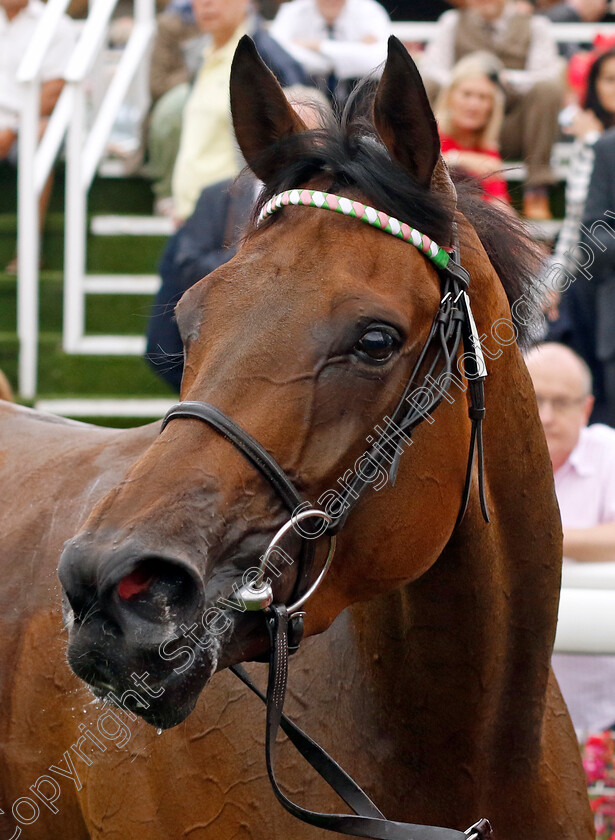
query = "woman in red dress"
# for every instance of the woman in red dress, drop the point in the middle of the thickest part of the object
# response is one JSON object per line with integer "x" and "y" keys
{"x": 469, "y": 113}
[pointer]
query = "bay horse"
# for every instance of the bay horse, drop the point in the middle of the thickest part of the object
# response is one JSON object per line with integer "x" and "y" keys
{"x": 432, "y": 683}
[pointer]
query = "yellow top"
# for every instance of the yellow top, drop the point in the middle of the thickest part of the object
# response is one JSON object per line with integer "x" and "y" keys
{"x": 207, "y": 150}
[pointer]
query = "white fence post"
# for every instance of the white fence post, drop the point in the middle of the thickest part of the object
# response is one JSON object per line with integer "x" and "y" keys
{"x": 31, "y": 178}
{"x": 75, "y": 221}
{"x": 28, "y": 242}
{"x": 145, "y": 17}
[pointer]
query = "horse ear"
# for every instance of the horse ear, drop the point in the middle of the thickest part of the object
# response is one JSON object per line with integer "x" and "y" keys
{"x": 403, "y": 116}
{"x": 261, "y": 113}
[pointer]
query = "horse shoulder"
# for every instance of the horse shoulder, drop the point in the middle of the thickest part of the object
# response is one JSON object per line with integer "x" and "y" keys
{"x": 52, "y": 471}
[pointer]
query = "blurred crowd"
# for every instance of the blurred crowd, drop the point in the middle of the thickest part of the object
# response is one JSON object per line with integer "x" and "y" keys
{"x": 503, "y": 89}
{"x": 492, "y": 71}
{"x": 503, "y": 86}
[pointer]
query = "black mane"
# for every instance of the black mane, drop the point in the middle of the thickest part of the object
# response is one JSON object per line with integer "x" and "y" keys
{"x": 349, "y": 153}
{"x": 515, "y": 256}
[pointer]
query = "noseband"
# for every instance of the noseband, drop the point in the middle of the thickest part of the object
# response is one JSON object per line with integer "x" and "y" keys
{"x": 453, "y": 325}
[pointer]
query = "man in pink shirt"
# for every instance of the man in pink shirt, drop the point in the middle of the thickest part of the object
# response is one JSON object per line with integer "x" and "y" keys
{"x": 583, "y": 459}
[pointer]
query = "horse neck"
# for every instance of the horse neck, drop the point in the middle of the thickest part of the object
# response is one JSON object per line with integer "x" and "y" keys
{"x": 463, "y": 652}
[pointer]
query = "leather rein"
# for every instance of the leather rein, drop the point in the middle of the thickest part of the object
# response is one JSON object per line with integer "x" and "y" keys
{"x": 453, "y": 325}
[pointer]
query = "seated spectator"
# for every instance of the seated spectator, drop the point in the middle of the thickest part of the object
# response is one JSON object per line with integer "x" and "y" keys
{"x": 175, "y": 59}
{"x": 336, "y": 41}
{"x": 175, "y": 29}
{"x": 587, "y": 126}
{"x": 530, "y": 78}
{"x": 598, "y": 291}
{"x": 207, "y": 152}
{"x": 419, "y": 9}
{"x": 18, "y": 22}
{"x": 207, "y": 240}
{"x": 583, "y": 459}
{"x": 469, "y": 113}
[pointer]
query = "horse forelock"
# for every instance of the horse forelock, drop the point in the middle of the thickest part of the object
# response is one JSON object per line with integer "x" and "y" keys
{"x": 347, "y": 155}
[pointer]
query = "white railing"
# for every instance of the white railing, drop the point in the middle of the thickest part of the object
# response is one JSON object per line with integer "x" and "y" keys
{"x": 586, "y": 619}
{"x": 85, "y": 147}
{"x": 35, "y": 162}
{"x": 565, "y": 33}
{"x": 83, "y": 153}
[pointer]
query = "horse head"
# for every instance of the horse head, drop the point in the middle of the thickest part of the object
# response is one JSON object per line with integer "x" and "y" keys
{"x": 306, "y": 339}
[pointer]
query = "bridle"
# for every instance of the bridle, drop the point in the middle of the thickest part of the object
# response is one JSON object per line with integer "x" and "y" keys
{"x": 453, "y": 326}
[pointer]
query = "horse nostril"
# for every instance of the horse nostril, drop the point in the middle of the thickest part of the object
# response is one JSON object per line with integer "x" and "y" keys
{"x": 134, "y": 584}
{"x": 157, "y": 590}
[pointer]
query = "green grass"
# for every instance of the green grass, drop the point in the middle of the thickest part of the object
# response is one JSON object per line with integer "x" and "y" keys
{"x": 62, "y": 375}
{"x": 132, "y": 195}
{"x": 105, "y": 254}
{"x": 116, "y": 422}
{"x": 117, "y": 314}
{"x": 108, "y": 195}
{"x": 105, "y": 314}
{"x": 124, "y": 254}
{"x": 65, "y": 376}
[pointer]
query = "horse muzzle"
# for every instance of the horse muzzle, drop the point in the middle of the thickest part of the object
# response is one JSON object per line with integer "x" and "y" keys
{"x": 130, "y": 613}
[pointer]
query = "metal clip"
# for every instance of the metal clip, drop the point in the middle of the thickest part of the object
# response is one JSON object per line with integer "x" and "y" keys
{"x": 258, "y": 594}
{"x": 481, "y": 367}
{"x": 254, "y": 598}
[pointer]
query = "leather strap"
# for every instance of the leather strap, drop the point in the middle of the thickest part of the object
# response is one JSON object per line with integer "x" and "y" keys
{"x": 335, "y": 776}
{"x": 248, "y": 446}
{"x": 446, "y": 335}
{"x": 476, "y": 376}
{"x": 261, "y": 460}
{"x": 368, "y": 821}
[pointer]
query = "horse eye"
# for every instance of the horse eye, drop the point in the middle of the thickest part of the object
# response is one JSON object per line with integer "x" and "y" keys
{"x": 377, "y": 344}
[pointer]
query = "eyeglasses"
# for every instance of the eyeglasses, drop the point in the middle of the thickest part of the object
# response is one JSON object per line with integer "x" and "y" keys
{"x": 560, "y": 405}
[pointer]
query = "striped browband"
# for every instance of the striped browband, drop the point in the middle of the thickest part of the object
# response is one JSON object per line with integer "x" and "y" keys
{"x": 356, "y": 210}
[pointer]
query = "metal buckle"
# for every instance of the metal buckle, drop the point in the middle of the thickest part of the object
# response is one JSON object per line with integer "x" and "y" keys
{"x": 481, "y": 830}
{"x": 258, "y": 594}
